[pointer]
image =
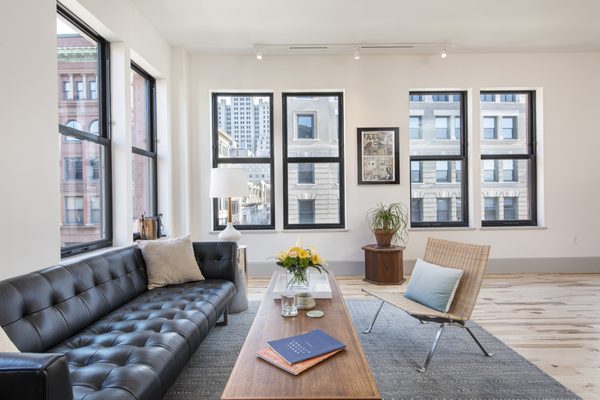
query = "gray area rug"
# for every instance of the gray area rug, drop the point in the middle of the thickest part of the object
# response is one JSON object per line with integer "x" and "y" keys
{"x": 397, "y": 344}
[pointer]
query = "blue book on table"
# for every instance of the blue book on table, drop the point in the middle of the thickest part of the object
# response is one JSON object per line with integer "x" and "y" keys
{"x": 303, "y": 347}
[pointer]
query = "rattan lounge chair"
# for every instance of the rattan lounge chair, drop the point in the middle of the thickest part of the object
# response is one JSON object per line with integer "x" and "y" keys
{"x": 472, "y": 259}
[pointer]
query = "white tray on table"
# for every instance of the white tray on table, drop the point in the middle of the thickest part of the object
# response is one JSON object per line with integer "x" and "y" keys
{"x": 318, "y": 286}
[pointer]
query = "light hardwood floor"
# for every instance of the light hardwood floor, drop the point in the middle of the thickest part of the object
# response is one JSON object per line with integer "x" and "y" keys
{"x": 553, "y": 320}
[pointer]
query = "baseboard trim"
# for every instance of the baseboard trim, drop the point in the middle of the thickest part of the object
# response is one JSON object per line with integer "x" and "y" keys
{"x": 570, "y": 265}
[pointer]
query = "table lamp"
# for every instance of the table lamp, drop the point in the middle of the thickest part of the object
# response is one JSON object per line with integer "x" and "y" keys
{"x": 229, "y": 182}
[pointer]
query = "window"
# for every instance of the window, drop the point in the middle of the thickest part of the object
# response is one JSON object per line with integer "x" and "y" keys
{"x": 66, "y": 90}
{"x": 416, "y": 127}
{"x": 442, "y": 171}
{"x": 489, "y": 128}
{"x": 85, "y": 137}
{"x": 443, "y": 209}
{"x": 306, "y": 173}
{"x": 438, "y": 168}
{"x": 416, "y": 174}
{"x": 245, "y": 143}
{"x": 486, "y": 98}
{"x": 508, "y": 97}
{"x": 509, "y": 170}
{"x": 457, "y": 128}
{"x": 490, "y": 170}
{"x": 73, "y": 169}
{"x": 73, "y": 214}
{"x": 416, "y": 97}
{"x": 95, "y": 211}
{"x": 326, "y": 194}
{"x": 416, "y": 210}
{"x": 305, "y": 126}
{"x": 442, "y": 128}
{"x": 513, "y": 178}
{"x": 306, "y": 211}
{"x": 143, "y": 134}
{"x": 92, "y": 90}
{"x": 93, "y": 169}
{"x": 510, "y": 208}
{"x": 490, "y": 211}
{"x": 457, "y": 171}
{"x": 509, "y": 127}
{"x": 79, "y": 90}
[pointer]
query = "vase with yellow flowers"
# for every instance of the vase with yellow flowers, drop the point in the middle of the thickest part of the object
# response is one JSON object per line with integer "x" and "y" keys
{"x": 296, "y": 261}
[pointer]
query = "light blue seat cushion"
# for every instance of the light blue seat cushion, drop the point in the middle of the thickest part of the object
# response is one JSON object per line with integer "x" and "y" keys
{"x": 432, "y": 285}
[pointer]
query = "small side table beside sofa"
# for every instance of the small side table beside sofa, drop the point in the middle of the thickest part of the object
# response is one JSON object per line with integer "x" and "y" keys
{"x": 384, "y": 265}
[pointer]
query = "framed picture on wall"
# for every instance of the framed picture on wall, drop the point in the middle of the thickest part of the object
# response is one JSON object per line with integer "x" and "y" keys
{"x": 378, "y": 156}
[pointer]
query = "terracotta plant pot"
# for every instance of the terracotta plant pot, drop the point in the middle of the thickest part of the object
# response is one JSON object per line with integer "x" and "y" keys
{"x": 384, "y": 237}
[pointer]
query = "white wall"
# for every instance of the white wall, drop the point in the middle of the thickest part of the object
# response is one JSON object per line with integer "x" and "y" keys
{"x": 29, "y": 153}
{"x": 376, "y": 94}
{"x": 29, "y": 156}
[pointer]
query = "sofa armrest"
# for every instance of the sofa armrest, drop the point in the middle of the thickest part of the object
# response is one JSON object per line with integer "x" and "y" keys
{"x": 218, "y": 260}
{"x": 35, "y": 376}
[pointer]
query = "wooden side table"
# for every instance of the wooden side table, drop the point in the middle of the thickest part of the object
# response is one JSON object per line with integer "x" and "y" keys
{"x": 383, "y": 265}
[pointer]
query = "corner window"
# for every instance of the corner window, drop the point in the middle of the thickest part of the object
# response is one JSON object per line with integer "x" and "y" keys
{"x": 438, "y": 167}
{"x": 84, "y": 129}
{"x": 320, "y": 204}
{"x": 243, "y": 138}
{"x": 509, "y": 165}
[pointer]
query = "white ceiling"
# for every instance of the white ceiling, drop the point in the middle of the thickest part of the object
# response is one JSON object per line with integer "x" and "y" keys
{"x": 234, "y": 26}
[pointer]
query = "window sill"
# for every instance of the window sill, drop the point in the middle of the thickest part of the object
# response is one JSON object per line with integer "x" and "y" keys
{"x": 83, "y": 256}
{"x": 442, "y": 228}
{"x": 516, "y": 227}
{"x": 263, "y": 231}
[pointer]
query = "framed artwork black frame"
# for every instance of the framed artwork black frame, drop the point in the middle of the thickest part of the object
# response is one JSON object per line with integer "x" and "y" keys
{"x": 384, "y": 157}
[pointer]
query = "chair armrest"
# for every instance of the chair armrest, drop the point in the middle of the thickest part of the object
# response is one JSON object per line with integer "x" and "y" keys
{"x": 217, "y": 260}
{"x": 35, "y": 376}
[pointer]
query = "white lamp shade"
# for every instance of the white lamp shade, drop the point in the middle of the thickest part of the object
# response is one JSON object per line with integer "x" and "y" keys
{"x": 228, "y": 182}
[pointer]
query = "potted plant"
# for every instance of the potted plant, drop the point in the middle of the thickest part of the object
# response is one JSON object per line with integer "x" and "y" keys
{"x": 388, "y": 223}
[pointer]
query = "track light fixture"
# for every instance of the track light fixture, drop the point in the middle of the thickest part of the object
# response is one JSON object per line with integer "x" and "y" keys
{"x": 259, "y": 54}
{"x": 443, "y": 53}
{"x": 357, "y": 53}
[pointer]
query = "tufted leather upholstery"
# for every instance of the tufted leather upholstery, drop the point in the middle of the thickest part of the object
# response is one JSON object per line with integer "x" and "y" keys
{"x": 120, "y": 340}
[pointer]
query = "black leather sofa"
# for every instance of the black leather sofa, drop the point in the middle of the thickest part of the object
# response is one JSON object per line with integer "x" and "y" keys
{"x": 92, "y": 330}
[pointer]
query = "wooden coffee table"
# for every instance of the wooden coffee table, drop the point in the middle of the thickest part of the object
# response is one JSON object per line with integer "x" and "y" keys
{"x": 346, "y": 375}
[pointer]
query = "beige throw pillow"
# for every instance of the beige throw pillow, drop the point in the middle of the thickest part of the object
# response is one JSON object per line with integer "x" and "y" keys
{"x": 6, "y": 345}
{"x": 170, "y": 261}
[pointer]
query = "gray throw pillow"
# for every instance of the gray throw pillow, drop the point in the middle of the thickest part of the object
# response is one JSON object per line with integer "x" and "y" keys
{"x": 170, "y": 261}
{"x": 432, "y": 285}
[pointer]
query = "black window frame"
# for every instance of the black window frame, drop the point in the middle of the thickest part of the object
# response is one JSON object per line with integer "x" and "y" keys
{"x": 216, "y": 160}
{"x": 316, "y": 160}
{"x": 530, "y": 156}
{"x": 102, "y": 138}
{"x": 151, "y": 123}
{"x": 462, "y": 157}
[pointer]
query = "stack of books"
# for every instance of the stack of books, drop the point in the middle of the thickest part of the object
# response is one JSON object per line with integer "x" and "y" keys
{"x": 296, "y": 354}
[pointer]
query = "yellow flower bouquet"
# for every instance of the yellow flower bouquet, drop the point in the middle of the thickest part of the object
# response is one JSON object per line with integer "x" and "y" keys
{"x": 296, "y": 261}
